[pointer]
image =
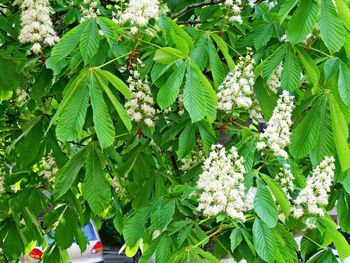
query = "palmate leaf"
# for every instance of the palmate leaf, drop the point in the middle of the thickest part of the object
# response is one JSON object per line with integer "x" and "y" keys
{"x": 264, "y": 240}
{"x": 200, "y": 53}
{"x": 290, "y": 77}
{"x": 102, "y": 120}
{"x": 224, "y": 49}
{"x": 262, "y": 35}
{"x": 170, "y": 89}
{"x": 109, "y": 29}
{"x": 187, "y": 140}
{"x": 331, "y": 26}
{"x": 286, "y": 7}
{"x": 71, "y": 122}
{"x": 95, "y": 188}
{"x": 135, "y": 226}
{"x": 216, "y": 66}
{"x": 303, "y": 21}
{"x": 163, "y": 251}
{"x": 89, "y": 40}
{"x": 67, "y": 43}
{"x": 305, "y": 135}
{"x": 272, "y": 62}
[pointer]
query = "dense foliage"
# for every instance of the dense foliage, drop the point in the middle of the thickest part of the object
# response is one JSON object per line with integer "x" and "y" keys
{"x": 204, "y": 129}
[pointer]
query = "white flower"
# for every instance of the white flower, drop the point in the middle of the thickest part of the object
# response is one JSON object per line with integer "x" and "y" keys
{"x": 237, "y": 89}
{"x": 139, "y": 12}
{"x": 48, "y": 167}
{"x": 89, "y": 10}
{"x": 277, "y": 134}
{"x": 141, "y": 104}
{"x": 274, "y": 82}
{"x": 36, "y": 25}
{"x": 285, "y": 179}
{"x": 2, "y": 184}
{"x": 236, "y": 6}
{"x": 314, "y": 196}
{"x": 221, "y": 185}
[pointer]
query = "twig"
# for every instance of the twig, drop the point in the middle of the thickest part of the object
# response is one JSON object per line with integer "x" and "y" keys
{"x": 196, "y": 5}
{"x": 188, "y": 23}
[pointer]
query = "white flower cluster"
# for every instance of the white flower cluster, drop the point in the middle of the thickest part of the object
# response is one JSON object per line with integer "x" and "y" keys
{"x": 139, "y": 12}
{"x": 48, "y": 167}
{"x": 118, "y": 189}
{"x": 274, "y": 82}
{"x": 277, "y": 134}
{"x": 37, "y": 25}
{"x": 2, "y": 183}
{"x": 237, "y": 7}
{"x": 221, "y": 184}
{"x": 22, "y": 96}
{"x": 314, "y": 196}
{"x": 141, "y": 105}
{"x": 89, "y": 10}
{"x": 285, "y": 179}
{"x": 197, "y": 156}
{"x": 237, "y": 89}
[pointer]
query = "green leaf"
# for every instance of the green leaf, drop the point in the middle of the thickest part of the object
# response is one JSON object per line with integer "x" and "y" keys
{"x": 311, "y": 70}
{"x": 290, "y": 77}
{"x": 53, "y": 254}
{"x": 135, "y": 226}
{"x": 95, "y": 188}
{"x": 235, "y": 238}
{"x": 187, "y": 140}
{"x": 303, "y": 21}
{"x": 224, "y": 49}
{"x": 116, "y": 82}
{"x": 286, "y": 7}
{"x": 344, "y": 83}
{"x": 71, "y": 122}
{"x": 343, "y": 212}
{"x": 216, "y": 66}
{"x": 194, "y": 97}
{"x": 306, "y": 134}
{"x": 103, "y": 122}
{"x": 343, "y": 11}
{"x": 67, "y": 43}
{"x": 123, "y": 114}
{"x": 262, "y": 35}
{"x": 66, "y": 176}
{"x": 272, "y": 62}
{"x": 200, "y": 53}
{"x": 163, "y": 251}
{"x": 162, "y": 215}
{"x": 264, "y": 205}
{"x": 208, "y": 136}
{"x": 331, "y": 67}
{"x": 264, "y": 241}
{"x": 278, "y": 193}
{"x": 167, "y": 55}
{"x": 338, "y": 239}
{"x": 340, "y": 134}
{"x": 12, "y": 243}
{"x": 183, "y": 234}
{"x": 170, "y": 89}
{"x": 109, "y": 29}
{"x": 331, "y": 26}
{"x": 64, "y": 232}
{"x": 89, "y": 41}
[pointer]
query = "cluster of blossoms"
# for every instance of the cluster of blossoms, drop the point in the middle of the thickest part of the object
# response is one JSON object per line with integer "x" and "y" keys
{"x": 197, "y": 156}
{"x": 277, "y": 134}
{"x": 36, "y": 25}
{"x": 141, "y": 105}
{"x": 118, "y": 189}
{"x": 138, "y": 12}
{"x": 314, "y": 196}
{"x": 2, "y": 183}
{"x": 221, "y": 184}
{"x": 274, "y": 82}
{"x": 21, "y": 96}
{"x": 48, "y": 167}
{"x": 237, "y": 91}
{"x": 285, "y": 179}
{"x": 89, "y": 10}
{"x": 237, "y": 6}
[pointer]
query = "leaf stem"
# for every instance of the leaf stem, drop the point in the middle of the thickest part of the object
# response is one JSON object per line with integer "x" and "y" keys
{"x": 111, "y": 61}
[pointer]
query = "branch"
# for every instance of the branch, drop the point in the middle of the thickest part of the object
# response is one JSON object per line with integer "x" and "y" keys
{"x": 196, "y": 5}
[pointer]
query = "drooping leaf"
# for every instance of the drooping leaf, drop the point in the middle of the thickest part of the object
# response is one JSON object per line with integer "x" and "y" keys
{"x": 168, "y": 55}
{"x": 116, "y": 82}
{"x": 272, "y": 62}
{"x": 311, "y": 70}
{"x": 303, "y": 21}
{"x": 224, "y": 49}
{"x": 187, "y": 140}
{"x": 89, "y": 40}
{"x": 171, "y": 88}
{"x": 331, "y": 26}
{"x": 216, "y": 66}
{"x": 95, "y": 188}
{"x": 264, "y": 205}
{"x": 264, "y": 240}
{"x": 344, "y": 83}
{"x": 102, "y": 120}
{"x": 290, "y": 77}
{"x": 67, "y": 43}
{"x": 235, "y": 238}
